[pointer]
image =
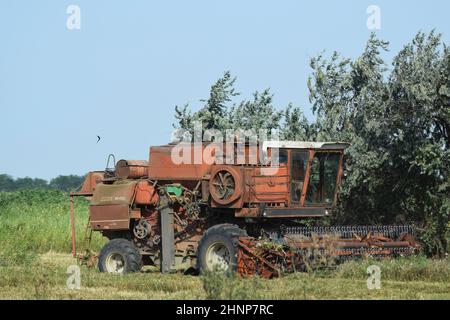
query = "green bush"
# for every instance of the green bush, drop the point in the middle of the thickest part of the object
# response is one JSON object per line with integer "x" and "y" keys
{"x": 39, "y": 221}
{"x": 19, "y": 254}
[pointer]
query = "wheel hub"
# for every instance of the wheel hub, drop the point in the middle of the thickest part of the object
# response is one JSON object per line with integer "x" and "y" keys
{"x": 218, "y": 257}
{"x": 115, "y": 263}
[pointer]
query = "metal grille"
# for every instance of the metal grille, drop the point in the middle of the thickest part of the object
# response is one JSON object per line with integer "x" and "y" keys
{"x": 349, "y": 232}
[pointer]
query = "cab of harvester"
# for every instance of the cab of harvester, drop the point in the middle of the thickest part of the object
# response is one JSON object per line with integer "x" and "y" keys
{"x": 199, "y": 206}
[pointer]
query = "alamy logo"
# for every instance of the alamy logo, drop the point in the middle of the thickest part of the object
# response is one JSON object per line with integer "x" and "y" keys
{"x": 230, "y": 147}
{"x": 73, "y": 21}
{"x": 374, "y": 279}
{"x": 73, "y": 281}
{"x": 374, "y": 19}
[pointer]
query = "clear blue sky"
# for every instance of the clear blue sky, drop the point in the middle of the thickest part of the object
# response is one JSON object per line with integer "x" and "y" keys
{"x": 131, "y": 62}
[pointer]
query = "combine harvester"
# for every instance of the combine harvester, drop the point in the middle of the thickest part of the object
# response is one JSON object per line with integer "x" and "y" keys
{"x": 246, "y": 217}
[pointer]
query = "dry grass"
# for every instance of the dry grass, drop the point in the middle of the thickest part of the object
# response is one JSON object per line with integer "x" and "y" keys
{"x": 46, "y": 279}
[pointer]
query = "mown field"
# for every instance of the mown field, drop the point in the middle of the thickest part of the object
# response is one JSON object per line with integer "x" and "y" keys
{"x": 35, "y": 254}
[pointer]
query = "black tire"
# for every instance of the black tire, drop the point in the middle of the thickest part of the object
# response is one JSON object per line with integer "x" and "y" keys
{"x": 123, "y": 251}
{"x": 224, "y": 235}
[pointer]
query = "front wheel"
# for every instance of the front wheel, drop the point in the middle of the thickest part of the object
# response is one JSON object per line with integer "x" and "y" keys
{"x": 119, "y": 256}
{"x": 217, "y": 250}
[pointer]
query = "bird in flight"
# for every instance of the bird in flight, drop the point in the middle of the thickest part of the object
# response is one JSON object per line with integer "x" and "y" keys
{"x": 98, "y": 139}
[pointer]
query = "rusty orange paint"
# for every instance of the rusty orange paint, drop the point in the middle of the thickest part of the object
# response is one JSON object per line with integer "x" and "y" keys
{"x": 131, "y": 169}
{"x": 146, "y": 193}
{"x": 90, "y": 182}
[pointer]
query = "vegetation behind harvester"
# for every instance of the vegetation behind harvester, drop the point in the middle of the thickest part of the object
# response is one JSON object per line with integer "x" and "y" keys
{"x": 242, "y": 213}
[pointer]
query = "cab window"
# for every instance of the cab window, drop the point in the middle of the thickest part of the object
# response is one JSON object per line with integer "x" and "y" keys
{"x": 322, "y": 179}
{"x": 298, "y": 168}
{"x": 280, "y": 157}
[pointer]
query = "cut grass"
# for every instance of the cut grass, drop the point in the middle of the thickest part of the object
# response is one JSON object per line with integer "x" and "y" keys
{"x": 46, "y": 279}
{"x": 418, "y": 268}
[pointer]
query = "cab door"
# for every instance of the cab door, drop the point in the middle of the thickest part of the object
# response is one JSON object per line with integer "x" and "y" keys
{"x": 323, "y": 178}
{"x": 298, "y": 168}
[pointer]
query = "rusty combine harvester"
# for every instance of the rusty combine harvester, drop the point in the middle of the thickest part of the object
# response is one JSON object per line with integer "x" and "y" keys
{"x": 246, "y": 217}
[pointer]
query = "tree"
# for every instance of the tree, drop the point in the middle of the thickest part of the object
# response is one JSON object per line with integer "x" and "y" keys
{"x": 420, "y": 124}
{"x": 183, "y": 117}
{"x": 296, "y": 126}
{"x": 66, "y": 183}
{"x": 30, "y": 183}
{"x": 397, "y": 122}
{"x": 220, "y": 113}
{"x": 256, "y": 114}
{"x": 6, "y": 183}
{"x": 215, "y": 112}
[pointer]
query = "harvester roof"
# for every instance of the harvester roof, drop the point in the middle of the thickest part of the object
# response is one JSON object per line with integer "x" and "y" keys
{"x": 305, "y": 145}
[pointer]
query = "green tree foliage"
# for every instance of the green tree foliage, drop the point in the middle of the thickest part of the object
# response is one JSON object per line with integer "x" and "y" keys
{"x": 214, "y": 114}
{"x": 64, "y": 183}
{"x": 6, "y": 183}
{"x": 215, "y": 111}
{"x": 258, "y": 113}
{"x": 183, "y": 117}
{"x": 296, "y": 126}
{"x": 420, "y": 88}
{"x": 398, "y": 124}
{"x": 219, "y": 112}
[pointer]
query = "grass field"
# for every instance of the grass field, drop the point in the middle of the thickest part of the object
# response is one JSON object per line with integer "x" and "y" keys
{"x": 38, "y": 221}
{"x": 35, "y": 254}
{"x": 46, "y": 278}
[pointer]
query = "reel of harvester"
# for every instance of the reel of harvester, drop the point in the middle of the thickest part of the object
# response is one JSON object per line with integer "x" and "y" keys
{"x": 302, "y": 248}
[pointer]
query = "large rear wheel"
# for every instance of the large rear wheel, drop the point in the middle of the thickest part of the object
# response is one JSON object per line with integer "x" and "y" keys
{"x": 119, "y": 256}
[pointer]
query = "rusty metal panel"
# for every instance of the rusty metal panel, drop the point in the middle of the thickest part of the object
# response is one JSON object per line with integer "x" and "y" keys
{"x": 146, "y": 194}
{"x": 197, "y": 161}
{"x": 135, "y": 214}
{"x": 267, "y": 188}
{"x": 91, "y": 181}
{"x": 117, "y": 193}
{"x": 161, "y": 166}
{"x": 131, "y": 169}
{"x": 110, "y": 217}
